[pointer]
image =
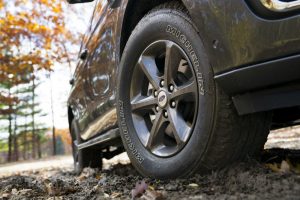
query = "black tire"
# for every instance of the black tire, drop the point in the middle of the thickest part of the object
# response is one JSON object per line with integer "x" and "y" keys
{"x": 88, "y": 157}
{"x": 219, "y": 137}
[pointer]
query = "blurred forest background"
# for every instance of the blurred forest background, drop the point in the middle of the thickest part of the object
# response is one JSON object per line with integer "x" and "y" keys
{"x": 36, "y": 38}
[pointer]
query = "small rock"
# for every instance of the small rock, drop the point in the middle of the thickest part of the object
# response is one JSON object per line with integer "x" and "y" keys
{"x": 14, "y": 191}
{"x": 102, "y": 181}
{"x": 194, "y": 185}
{"x": 24, "y": 191}
{"x": 5, "y": 196}
{"x": 106, "y": 195}
{"x": 171, "y": 187}
{"x": 95, "y": 188}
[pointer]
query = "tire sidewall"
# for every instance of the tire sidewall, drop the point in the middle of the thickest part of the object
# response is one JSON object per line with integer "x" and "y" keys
{"x": 174, "y": 26}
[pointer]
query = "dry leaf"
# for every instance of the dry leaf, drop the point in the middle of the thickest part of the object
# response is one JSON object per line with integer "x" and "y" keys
{"x": 152, "y": 195}
{"x": 285, "y": 167}
{"x": 115, "y": 195}
{"x": 140, "y": 188}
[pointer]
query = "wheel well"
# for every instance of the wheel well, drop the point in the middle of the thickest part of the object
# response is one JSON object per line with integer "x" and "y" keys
{"x": 286, "y": 117}
{"x": 135, "y": 11}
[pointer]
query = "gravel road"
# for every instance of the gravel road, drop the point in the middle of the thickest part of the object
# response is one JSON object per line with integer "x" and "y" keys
{"x": 275, "y": 176}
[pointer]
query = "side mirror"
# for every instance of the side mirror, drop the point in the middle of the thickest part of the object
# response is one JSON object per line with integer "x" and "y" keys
{"x": 79, "y": 1}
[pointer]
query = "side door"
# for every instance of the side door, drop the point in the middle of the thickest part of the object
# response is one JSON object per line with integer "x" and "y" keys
{"x": 78, "y": 96}
{"x": 101, "y": 69}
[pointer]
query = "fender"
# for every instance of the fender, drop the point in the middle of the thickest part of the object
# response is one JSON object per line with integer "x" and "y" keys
{"x": 235, "y": 37}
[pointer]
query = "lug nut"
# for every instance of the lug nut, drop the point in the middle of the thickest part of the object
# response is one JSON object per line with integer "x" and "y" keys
{"x": 165, "y": 114}
{"x": 156, "y": 108}
{"x": 173, "y": 104}
{"x": 162, "y": 83}
{"x": 171, "y": 88}
{"x": 155, "y": 93}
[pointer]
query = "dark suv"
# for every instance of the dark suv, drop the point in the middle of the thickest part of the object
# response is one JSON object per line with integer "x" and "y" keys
{"x": 184, "y": 86}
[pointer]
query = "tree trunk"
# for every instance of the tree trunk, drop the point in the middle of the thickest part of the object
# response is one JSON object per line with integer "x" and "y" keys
{"x": 25, "y": 145}
{"x": 33, "y": 125}
{"x": 9, "y": 131}
{"x": 16, "y": 147}
{"x": 54, "y": 141}
{"x": 53, "y": 126}
{"x": 15, "y": 140}
{"x": 39, "y": 145}
{"x": 9, "y": 139}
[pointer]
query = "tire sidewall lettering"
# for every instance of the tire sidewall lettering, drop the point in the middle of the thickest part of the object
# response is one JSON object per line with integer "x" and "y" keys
{"x": 126, "y": 136}
{"x": 190, "y": 50}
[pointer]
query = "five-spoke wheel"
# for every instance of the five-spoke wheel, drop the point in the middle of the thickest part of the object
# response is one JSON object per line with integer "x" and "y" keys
{"x": 164, "y": 98}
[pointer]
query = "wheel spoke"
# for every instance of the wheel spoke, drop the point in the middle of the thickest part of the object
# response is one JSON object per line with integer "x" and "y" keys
{"x": 157, "y": 124}
{"x": 179, "y": 126}
{"x": 172, "y": 60}
{"x": 189, "y": 87}
{"x": 148, "y": 65}
{"x": 143, "y": 103}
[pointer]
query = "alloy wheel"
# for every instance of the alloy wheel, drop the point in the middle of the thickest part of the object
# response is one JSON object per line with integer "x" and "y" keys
{"x": 164, "y": 98}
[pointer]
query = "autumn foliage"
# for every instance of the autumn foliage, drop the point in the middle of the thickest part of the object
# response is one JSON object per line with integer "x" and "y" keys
{"x": 33, "y": 36}
{"x": 64, "y": 134}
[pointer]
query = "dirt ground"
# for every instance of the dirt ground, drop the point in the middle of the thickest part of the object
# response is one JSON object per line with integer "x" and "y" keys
{"x": 275, "y": 176}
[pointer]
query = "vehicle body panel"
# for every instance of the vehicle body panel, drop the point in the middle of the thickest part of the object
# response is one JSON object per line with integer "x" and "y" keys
{"x": 98, "y": 112}
{"x": 233, "y": 35}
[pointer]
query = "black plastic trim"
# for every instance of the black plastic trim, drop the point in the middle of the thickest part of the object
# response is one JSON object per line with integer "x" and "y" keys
{"x": 269, "y": 99}
{"x": 79, "y": 1}
{"x": 260, "y": 76}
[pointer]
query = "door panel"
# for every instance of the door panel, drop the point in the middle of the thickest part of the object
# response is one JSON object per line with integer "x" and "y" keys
{"x": 101, "y": 67}
{"x": 78, "y": 96}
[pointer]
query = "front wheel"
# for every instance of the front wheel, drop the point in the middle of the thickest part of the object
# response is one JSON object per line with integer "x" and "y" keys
{"x": 174, "y": 119}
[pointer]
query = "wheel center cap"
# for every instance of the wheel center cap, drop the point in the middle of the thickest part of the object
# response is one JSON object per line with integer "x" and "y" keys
{"x": 162, "y": 99}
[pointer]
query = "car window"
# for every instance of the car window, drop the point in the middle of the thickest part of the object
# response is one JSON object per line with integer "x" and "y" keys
{"x": 88, "y": 31}
{"x": 99, "y": 12}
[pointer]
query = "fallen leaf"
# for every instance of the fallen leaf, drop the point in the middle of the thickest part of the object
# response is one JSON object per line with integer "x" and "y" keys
{"x": 98, "y": 177}
{"x": 297, "y": 168}
{"x": 152, "y": 195}
{"x": 82, "y": 177}
{"x": 151, "y": 187}
{"x": 49, "y": 188}
{"x": 115, "y": 195}
{"x": 285, "y": 167}
{"x": 274, "y": 167}
{"x": 140, "y": 188}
